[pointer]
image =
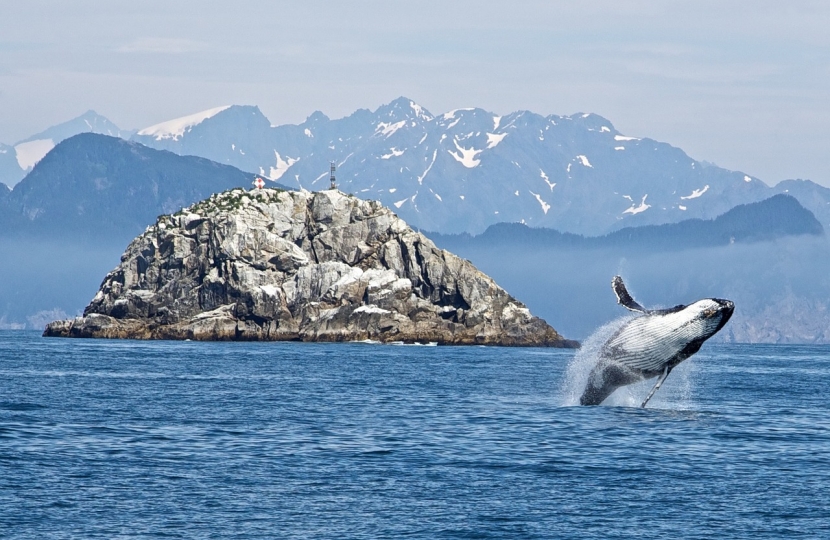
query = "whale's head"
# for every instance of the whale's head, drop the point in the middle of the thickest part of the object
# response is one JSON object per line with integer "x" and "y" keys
{"x": 710, "y": 315}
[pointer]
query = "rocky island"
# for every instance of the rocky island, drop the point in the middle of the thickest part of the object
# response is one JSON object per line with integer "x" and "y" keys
{"x": 299, "y": 266}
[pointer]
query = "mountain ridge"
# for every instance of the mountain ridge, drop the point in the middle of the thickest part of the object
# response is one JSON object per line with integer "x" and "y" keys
{"x": 99, "y": 186}
{"x": 778, "y": 216}
{"x": 17, "y": 160}
{"x": 462, "y": 170}
{"x": 466, "y": 169}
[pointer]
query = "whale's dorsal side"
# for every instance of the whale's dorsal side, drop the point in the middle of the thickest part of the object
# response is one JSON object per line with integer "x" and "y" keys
{"x": 623, "y": 298}
{"x": 675, "y": 309}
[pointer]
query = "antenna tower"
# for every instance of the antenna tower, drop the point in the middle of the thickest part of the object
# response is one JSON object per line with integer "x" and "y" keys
{"x": 333, "y": 184}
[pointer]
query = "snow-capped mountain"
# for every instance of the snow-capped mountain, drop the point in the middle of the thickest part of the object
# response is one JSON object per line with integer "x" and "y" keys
{"x": 174, "y": 130}
{"x": 17, "y": 160}
{"x": 468, "y": 168}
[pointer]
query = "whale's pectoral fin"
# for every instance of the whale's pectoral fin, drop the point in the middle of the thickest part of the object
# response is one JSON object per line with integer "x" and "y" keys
{"x": 658, "y": 384}
{"x": 623, "y": 298}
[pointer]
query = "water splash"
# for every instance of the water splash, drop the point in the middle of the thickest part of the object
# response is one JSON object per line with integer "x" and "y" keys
{"x": 676, "y": 392}
{"x": 576, "y": 375}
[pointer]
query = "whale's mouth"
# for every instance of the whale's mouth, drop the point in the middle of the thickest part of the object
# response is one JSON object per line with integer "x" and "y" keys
{"x": 726, "y": 308}
{"x": 725, "y": 305}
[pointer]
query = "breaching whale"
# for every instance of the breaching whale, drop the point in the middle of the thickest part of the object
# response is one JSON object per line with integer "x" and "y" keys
{"x": 652, "y": 344}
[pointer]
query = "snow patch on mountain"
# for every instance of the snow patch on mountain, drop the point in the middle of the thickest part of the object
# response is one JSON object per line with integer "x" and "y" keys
{"x": 345, "y": 159}
{"x": 451, "y": 114}
{"x": 696, "y": 193}
{"x": 465, "y": 156}
{"x": 281, "y": 167}
{"x": 747, "y": 178}
{"x": 29, "y": 153}
{"x": 175, "y": 129}
{"x": 420, "y": 112}
{"x": 545, "y": 206}
{"x": 544, "y": 176}
{"x": 493, "y": 140}
{"x": 421, "y": 177}
{"x": 386, "y": 129}
{"x": 394, "y": 152}
{"x": 584, "y": 161}
{"x": 637, "y": 209}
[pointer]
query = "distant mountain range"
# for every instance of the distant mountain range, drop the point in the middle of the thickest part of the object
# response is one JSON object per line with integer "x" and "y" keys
{"x": 777, "y": 217}
{"x": 97, "y": 185}
{"x": 467, "y": 169}
{"x": 17, "y": 160}
{"x": 94, "y": 186}
{"x": 64, "y": 225}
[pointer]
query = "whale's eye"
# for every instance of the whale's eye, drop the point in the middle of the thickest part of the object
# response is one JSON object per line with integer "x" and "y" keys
{"x": 709, "y": 313}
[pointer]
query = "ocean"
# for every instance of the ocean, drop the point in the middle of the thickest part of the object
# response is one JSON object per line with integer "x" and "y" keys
{"x": 127, "y": 439}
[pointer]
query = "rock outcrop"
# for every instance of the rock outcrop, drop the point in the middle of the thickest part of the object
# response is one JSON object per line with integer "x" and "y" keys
{"x": 280, "y": 265}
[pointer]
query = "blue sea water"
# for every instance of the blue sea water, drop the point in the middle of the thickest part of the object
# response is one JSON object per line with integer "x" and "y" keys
{"x": 120, "y": 439}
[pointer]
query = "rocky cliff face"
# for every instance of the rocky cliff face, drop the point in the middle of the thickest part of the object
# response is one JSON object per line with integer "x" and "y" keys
{"x": 278, "y": 265}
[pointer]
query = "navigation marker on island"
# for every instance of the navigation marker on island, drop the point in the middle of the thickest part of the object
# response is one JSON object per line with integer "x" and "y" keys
{"x": 259, "y": 183}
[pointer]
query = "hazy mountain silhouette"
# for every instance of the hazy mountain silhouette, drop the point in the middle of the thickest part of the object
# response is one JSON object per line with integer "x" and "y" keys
{"x": 96, "y": 186}
{"x": 17, "y": 160}
{"x": 776, "y": 217}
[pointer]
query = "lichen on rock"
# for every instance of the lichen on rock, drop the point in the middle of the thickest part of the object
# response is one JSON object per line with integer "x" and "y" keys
{"x": 280, "y": 265}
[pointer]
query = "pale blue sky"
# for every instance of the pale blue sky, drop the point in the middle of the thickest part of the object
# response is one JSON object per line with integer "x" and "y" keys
{"x": 743, "y": 84}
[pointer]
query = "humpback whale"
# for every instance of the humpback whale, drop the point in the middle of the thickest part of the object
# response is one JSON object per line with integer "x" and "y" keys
{"x": 652, "y": 344}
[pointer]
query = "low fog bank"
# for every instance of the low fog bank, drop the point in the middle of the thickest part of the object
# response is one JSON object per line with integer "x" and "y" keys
{"x": 781, "y": 288}
{"x": 41, "y": 281}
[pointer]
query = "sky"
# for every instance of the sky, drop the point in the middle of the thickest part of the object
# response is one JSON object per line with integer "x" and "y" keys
{"x": 745, "y": 85}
